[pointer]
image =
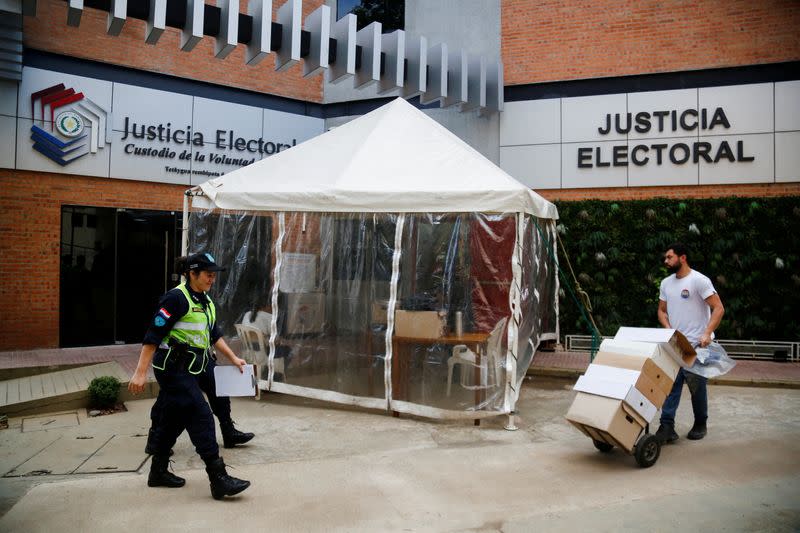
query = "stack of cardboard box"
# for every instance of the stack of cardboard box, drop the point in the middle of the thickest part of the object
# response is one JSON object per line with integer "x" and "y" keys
{"x": 623, "y": 389}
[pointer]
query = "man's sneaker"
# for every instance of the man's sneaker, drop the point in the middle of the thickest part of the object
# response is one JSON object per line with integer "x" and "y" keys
{"x": 698, "y": 431}
{"x": 666, "y": 434}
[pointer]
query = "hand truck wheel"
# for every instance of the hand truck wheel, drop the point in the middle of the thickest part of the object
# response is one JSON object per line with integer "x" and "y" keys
{"x": 603, "y": 446}
{"x": 647, "y": 451}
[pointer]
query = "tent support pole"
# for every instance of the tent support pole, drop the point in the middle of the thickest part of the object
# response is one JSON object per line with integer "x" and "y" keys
{"x": 276, "y": 283}
{"x": 185, "y": 224}
{"x": 510, "y": 425}
{"x": 514, "y": 320}
{"x": 396, "y": 254}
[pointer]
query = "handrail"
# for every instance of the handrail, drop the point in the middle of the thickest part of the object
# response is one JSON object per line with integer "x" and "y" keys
{"x": 736, "y": 348}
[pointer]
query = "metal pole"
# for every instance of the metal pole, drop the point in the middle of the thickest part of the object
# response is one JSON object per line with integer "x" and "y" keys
{"x": 185, "y": 229}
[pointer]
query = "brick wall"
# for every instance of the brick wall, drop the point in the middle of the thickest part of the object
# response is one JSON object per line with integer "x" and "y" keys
{"x": 559, "y": 40}
{"x": 48, "y": 31}
{"x": 30, "y": 231}
{"x": 30, "y": 235}
{"x": 701, "y": 191}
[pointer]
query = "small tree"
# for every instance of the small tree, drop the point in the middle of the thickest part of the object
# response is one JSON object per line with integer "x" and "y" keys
{"x": 104, "y": 391}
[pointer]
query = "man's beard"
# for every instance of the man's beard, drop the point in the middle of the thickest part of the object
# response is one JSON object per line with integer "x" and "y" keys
{"x": 674, "y": 268}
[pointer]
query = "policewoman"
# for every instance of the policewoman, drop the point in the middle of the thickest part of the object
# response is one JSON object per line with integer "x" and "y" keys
{"x": 178, "y": 344}
{"x": 175, "y": 303}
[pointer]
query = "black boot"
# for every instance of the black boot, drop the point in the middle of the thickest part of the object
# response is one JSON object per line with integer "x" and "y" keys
{"x": 221, "y": 483}
{"x": 698, "y": 431}
{"x": 232, "y": 436}
{"x": 160, "y": 476}
{"x": 666, "y": 434}
{"x": 150, "y": 448}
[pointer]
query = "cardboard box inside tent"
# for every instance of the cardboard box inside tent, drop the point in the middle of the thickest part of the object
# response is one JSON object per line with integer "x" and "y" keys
{"x": 418, "y": 324}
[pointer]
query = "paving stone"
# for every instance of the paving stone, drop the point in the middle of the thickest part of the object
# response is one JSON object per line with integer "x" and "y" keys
{"x": 63, "y": 456}
{"x": 41, "y": 423}
{"x": 123, "y": 453}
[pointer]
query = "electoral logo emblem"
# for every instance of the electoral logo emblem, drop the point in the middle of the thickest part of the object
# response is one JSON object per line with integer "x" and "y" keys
{"x": 69, "y": 124}
{"x": 685, "y": 294}
{"x": 66, "y": 141}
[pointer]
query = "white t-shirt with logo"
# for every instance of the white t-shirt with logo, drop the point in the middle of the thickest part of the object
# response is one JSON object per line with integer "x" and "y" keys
{"x": 687, "y": 308}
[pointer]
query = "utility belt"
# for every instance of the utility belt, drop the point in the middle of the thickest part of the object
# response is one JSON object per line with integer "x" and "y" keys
{"x": 181, "y": 356}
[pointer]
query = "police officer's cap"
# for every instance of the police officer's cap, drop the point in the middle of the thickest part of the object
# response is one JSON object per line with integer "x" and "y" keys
{"x": 204, "y": 261}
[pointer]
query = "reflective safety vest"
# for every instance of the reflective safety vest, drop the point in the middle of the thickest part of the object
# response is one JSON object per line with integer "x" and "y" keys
{"x": 193, "y": 330}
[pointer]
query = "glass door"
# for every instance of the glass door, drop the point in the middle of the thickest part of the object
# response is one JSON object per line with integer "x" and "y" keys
{"x": 115, "y": 264}
{"x": 146, "y": 251}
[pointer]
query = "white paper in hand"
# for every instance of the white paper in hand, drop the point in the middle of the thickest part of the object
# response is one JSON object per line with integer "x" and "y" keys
{"x": 231, "y": 382}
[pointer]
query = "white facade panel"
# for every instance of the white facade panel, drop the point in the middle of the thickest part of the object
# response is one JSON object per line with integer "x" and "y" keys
{"x": 666, "y": 173}
{"x": 583, "y": 116}
{"x": 29, "y": 159}
{"x": 150, "y": 161}
{"x": 531, "y": 122}
{"x": 214, "y": 119}
{"x": 209, "y": 162}
{"x": 574, "y": 177}
{"x": 748, "y": 108}
{"x": 150, "y": 107}
{"x": 34, "y": 80}
{"x": 8, "y": 132}
{"x": 8, "y": 98}
{"x": 787, "y": 156}
{"x": 258, "y": 133}
{"x": 647, "y": 112}
{"x": 538, "y": 167}
{"x": 787, "y": 106}
{"x": 232, "y": 138}
{"x": 742, "y": 147}
{"x": 290, "y": 129}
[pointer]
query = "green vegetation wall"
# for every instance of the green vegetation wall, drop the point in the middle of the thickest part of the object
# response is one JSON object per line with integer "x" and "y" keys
{"x": 748, "y": 247}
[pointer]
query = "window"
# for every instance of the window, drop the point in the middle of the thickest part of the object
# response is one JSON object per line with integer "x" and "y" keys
{"x": 390, "y": 13}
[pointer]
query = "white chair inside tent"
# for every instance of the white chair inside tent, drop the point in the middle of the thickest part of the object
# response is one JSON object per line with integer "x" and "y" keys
{"x": 489, "y": 365}
{"x": 256, "y": 348}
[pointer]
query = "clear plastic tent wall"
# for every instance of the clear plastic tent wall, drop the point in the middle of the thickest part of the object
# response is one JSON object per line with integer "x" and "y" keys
{"x": 436, "y": 314}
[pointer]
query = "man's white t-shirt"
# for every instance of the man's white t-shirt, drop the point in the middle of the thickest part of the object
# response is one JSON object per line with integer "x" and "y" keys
{"x": 686, "y": 303}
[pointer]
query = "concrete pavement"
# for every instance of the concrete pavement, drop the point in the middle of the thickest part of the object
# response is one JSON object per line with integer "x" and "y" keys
{"x": 317, "y": 467}
{"x": 554, "y": 364}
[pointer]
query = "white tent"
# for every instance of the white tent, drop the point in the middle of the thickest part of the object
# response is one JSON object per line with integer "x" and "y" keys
{"x": 392, "y": 236}
{"x": 395, "y": 159}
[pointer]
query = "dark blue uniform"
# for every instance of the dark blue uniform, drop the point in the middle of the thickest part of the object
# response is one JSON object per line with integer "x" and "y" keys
{"x": 181, "y": 404}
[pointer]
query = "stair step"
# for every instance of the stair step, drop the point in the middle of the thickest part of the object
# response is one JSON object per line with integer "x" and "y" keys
{"x": 53, "y": 391}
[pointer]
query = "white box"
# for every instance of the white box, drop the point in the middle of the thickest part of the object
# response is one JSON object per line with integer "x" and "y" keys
{"x": 606, "y": 420}
{"x": 672, "y": 340}
{"x": 418, "y": 324}
{"x": 652, "y": 390}
{"x": 619, "y": 391}
{"x": 616, "y": 349}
